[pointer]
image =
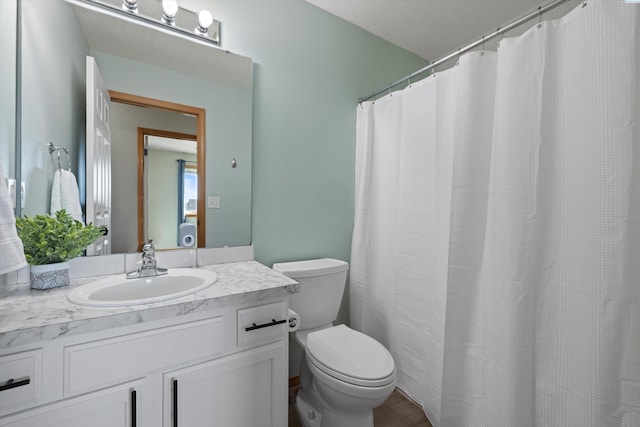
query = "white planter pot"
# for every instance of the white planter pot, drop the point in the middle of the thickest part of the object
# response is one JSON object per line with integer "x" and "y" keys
{"x": 49, "y": 276}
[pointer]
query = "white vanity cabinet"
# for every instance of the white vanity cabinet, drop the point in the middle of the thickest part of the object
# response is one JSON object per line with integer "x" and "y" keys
{"x": 111, "y": 407}
{"x": 222, "y": 367}
{"x": 239, "y": 390}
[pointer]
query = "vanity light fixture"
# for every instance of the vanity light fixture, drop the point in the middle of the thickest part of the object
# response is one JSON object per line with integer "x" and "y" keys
{"x": 130, "y": 5}
{"x": 169, "y": 11}
{"x": 204, "y": 22}
{"x": 165, "y": 15}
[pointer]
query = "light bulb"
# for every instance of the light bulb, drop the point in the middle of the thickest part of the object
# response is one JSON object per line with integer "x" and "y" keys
{"x": 169, "y": 11}
{"x": 130, "y": 5}
{"x": 204, "y": 22}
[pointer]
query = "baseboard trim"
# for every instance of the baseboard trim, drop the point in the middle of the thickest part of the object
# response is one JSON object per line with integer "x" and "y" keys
{"x": 294, "y": 381}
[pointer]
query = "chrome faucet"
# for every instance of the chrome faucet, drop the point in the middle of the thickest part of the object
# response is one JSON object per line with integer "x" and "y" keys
{"x": 149, "y": 265}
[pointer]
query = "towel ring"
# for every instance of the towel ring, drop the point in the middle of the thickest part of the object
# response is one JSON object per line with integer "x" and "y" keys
{"x": 53, "y": 148}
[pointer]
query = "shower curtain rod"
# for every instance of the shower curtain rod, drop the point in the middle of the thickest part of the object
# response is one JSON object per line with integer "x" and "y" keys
{"x": 535, "y": 14}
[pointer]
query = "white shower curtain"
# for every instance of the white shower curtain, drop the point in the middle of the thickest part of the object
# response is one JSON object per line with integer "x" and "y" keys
{"x": 496, "y": 246}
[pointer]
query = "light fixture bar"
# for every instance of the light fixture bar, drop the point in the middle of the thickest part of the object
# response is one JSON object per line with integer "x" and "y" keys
{"x": 183, "y": 21}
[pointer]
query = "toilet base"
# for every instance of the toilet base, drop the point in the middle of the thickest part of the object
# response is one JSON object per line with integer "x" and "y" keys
{"x": 307, "y": 413}
{"x": 310, "y": 415}
{"x": 314, "y": 412}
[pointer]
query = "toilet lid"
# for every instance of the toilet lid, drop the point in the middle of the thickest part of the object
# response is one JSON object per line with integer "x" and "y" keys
{"x": 350, "y": 356}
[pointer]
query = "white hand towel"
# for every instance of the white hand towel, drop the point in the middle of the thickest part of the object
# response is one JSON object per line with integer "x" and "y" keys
{"x": 56, "y": 203}
{"x": 11, "y": 250}
{"x": 65, "y": 194}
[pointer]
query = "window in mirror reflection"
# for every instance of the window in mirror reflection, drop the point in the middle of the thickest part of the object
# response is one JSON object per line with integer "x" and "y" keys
{"x": 188, "y": 182}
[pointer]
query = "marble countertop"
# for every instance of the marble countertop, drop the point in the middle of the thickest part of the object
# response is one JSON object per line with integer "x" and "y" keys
{"x": 28, "y": 316}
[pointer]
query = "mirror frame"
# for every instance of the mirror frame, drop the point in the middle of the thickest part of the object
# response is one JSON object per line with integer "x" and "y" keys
{"x": 200, "y": 115}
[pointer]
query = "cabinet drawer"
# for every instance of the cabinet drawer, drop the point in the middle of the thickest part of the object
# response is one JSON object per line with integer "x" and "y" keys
{"x": 262, "y": 324}
{"x": 105, "y": 362}
{"x": 20, "y": 379}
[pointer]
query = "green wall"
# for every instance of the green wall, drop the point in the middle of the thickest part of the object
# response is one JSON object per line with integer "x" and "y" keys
{"x": 310, "y": 70}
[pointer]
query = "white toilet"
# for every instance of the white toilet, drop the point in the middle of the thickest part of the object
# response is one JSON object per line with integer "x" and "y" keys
{"x": 344, "y": 374}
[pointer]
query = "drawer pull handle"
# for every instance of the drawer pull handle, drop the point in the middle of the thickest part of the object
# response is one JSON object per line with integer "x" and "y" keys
{"x": 265, "y": 325}
{"x": 11, "y": 383}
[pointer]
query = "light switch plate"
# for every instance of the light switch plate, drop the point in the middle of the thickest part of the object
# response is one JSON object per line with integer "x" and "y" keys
{"x": 213, "y": 202}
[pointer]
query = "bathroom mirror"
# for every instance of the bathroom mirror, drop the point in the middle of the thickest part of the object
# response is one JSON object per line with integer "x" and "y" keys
{"x": 8, "y": 11}
{"x": 57, "y": 35}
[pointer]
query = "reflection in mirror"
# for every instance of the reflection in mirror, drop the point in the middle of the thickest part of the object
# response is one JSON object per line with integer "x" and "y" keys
{"x": 170, "y": 176}
{"x": 57, "y": 36}
{"x": 133, "y": 117}
{"x": 8, "y": 17}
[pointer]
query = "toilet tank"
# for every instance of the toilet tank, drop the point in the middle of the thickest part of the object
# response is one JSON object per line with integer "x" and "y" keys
{"x": 322, "y": 284}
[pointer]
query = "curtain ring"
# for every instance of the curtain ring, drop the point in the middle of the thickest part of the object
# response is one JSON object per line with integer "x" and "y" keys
{"x": 482, "y": 49}
{"x": 584, "y": 4}
{"x": 539, "y": 17}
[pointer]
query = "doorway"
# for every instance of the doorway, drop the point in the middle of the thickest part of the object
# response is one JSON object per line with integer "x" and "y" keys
{"x": 199, "y": 115}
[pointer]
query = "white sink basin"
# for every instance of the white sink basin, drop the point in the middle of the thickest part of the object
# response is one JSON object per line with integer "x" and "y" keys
{"x": 120, "y": 291}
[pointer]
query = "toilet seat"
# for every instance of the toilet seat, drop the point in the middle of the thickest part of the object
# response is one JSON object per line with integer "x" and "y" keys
{"x": 350, "y": 356}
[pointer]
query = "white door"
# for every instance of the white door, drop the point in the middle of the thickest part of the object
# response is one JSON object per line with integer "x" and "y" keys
{"x": 98, "y": 158}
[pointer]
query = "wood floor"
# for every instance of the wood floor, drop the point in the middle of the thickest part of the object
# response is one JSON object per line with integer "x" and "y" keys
{"x": 397, "y": 411}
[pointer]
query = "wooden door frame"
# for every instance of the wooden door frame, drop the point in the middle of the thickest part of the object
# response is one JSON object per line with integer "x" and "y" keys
{"x": 199, "y": 113}
{"x": 141, "y": 205}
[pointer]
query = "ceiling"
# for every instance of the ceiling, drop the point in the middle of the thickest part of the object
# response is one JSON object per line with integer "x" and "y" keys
{"x": 433, "y": 28}
{"x": 187, "y": 146}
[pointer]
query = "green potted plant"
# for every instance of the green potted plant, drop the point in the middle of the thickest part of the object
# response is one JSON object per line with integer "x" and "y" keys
{"x": 50, "y": 242}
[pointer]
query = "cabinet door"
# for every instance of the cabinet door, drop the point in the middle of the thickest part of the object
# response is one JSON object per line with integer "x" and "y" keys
{"x": 113, "y": 407}
{"x": 247, "y": 389}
